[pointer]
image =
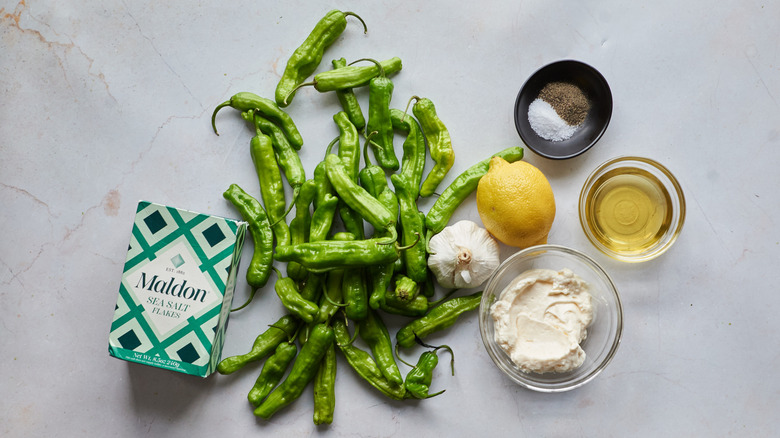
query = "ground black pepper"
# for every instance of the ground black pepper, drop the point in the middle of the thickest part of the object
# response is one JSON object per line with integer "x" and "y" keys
{"x": 568, "y": 100}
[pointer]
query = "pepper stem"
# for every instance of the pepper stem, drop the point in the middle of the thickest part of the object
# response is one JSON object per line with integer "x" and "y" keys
{"x": 378, "y": 64}
{"x": 296, "y": 192}
{"x": 254, "y": 122}
{"x": 436, "y": 348}
{"x": 398, "y": 355}
{"x": 305, "y": 84}
{"x": 376, "y": 145}
{"x": 428, "y": 236}
{"x": 391, "y": 239}
{"x": 357, "y": 329}
{"x": 452, "y": 354}
{"x": 432, "y": 304}
{"x": 365, "y": 147}
{"x": 373, "y": 143}
{"x": 292, "y": 338}
{"x": 330, "y": 146}
{"x": 346, "y": 324}
{"x": 285, "y": 331}
{"x": 350, "y": 13}
{"x": 249, "y": 300}
{"x": 409, "y": 103}
{"x": 330, "y": 300}
{"x": 214, "y": 115}
{"x": 435, "y": 394}
{"x": 402, "y": 248}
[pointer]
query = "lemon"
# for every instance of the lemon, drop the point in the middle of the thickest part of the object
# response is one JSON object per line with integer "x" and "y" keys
{"x": 516, "y": 203}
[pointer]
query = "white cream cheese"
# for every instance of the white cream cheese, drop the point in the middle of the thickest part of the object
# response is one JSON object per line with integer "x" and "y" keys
{"x": 541, "y": 318}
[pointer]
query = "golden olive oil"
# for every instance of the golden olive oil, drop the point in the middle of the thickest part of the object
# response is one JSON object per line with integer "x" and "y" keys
{"x": 628, "y": 210}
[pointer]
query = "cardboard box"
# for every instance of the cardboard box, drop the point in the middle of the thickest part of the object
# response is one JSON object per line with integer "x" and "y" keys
{"x": 176, "y": 289}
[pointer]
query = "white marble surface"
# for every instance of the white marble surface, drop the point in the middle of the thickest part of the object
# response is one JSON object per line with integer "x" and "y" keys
{"x": 106, "y": 103}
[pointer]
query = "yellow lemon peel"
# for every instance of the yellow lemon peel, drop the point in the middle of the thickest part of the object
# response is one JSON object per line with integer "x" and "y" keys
{"x": 515, "y": 202}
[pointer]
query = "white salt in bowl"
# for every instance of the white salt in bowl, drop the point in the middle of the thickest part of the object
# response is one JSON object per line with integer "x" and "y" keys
{"x": 595, "y": 88}
{"x": 604, "y": 333}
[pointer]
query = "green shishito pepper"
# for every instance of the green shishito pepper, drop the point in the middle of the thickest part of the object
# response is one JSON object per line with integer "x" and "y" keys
{"x": 349, "y": 152}
{"x": 325, "y": 255}
{"x": 303, "y": 370}
{"x": 405, "y": 299}
{"x": 307, "y": 57}
{"x": 412, "y": 228}
{"x": 413, "y": 309}
{"x": 311, "y": 289}
{"x": 355, "y": 294}
{"x": 380, "y": 280}
{"x": 349, "y": 144}
{"x": 259, "y": 269}
{"x": 439, "y": 144}
{"x": 429, "y": 285}
{"x": 325, "y": 203}
{"x": 374, "y": 332}
{"x": 300, "y": 225}
{"x": 246, "y": 101}
{"x": 406, "y": 288}
{"x": 439, "y": 318}
{"x": 372, "y": 177}
{"x": 461, "y": 187}
{"x": 324, "y": 187}
{"x": 264, "y": 345}
{"x": 379, "y": 124}
{"x": 418, "y": 380}
{"x": 349, "y": 101}
{"x": 322, "y": 218}
{"x": 351, "y": 220}
{"x": 333, "y": 295}
{"x": 351, "y": 76}
{"x": 364, "y": 364}
{"x": 357, "y": 198}
{"x": 413, "y": 160}
{"x": 290, "y": 297}
{"x": 325, "y": 388}
{"x": 374, "y": 180}
{"x": 273, "y": 371}
{"x": 286, "y": 155}
{"x": 271, "y": 185}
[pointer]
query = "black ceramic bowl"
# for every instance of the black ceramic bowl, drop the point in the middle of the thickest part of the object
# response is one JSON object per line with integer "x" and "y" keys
{"x": 595, "y": 87}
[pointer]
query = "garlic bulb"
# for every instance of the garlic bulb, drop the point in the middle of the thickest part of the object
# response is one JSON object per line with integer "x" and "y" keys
{"x": 463, "y": 255}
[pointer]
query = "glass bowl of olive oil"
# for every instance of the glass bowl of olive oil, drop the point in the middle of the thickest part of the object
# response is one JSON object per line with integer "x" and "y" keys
{"x": 632, "y": 209}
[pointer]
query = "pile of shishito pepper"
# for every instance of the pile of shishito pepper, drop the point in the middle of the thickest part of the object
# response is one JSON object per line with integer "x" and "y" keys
{"x": 334, "y": 278}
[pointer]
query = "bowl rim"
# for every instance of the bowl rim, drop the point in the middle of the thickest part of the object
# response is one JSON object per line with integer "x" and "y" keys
{"x": 608, "y": 104}
{"x": 616, "y": 339}
{"x": 669, "y": 181}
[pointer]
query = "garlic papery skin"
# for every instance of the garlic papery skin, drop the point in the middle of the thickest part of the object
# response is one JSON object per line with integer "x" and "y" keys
{"x": 463, "y": 255}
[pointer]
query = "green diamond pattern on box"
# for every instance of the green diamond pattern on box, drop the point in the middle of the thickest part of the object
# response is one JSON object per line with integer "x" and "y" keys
{"x": 176, "y": 289}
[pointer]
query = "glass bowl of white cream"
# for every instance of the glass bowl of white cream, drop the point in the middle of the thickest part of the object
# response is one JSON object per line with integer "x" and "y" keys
{"x": 550, "y": 318}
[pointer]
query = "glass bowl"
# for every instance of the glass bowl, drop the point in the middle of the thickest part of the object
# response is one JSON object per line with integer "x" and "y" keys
{"x": 604, "y": 333}
{"x": 595, "y": 88}
{"x": 632, "y": 209}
